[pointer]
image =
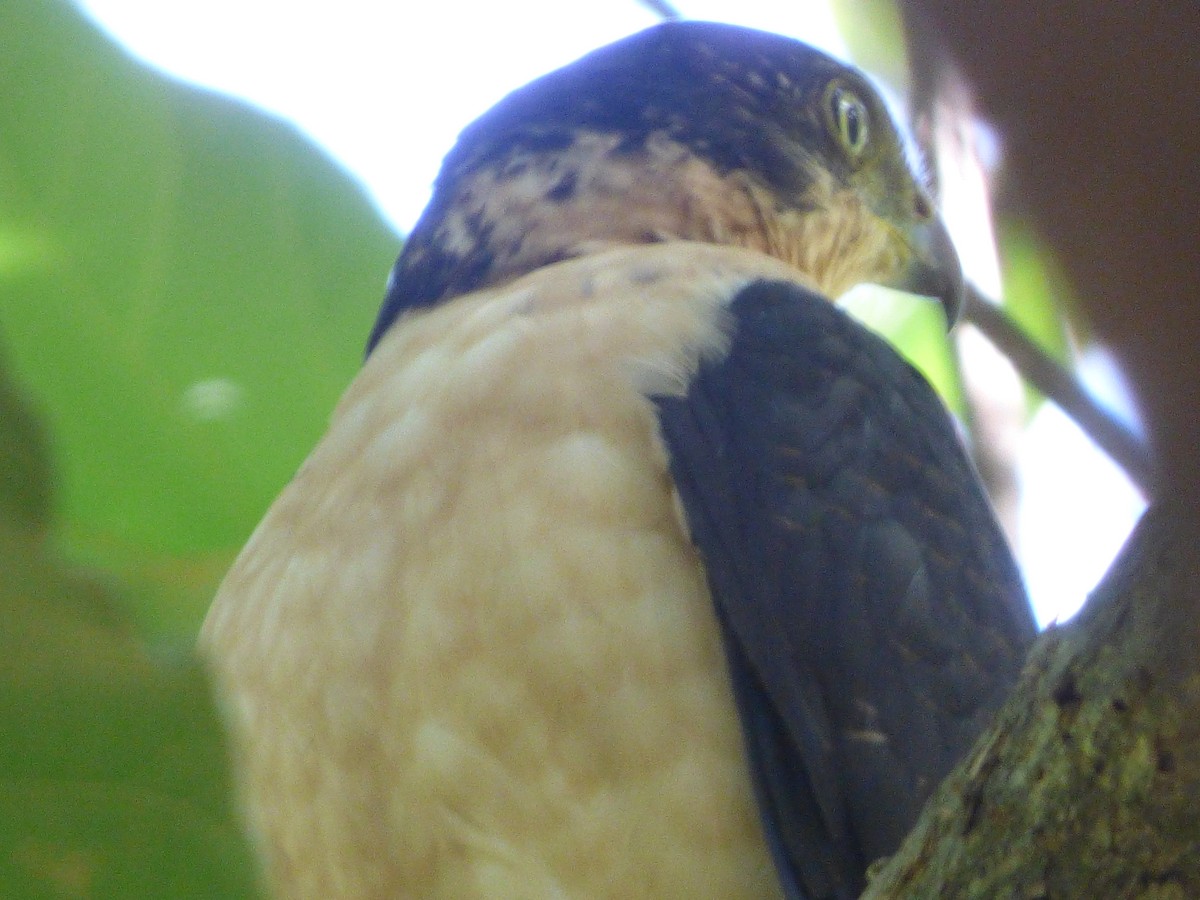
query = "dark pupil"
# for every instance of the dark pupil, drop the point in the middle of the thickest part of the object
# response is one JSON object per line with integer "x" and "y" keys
{"x": 853, "y": 119}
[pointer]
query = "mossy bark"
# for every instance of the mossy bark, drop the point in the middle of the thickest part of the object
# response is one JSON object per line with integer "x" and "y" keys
{"x": 1088, "y": 784}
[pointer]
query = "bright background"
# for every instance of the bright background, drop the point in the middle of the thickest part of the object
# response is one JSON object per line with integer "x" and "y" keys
{"x": 384, "y": 88}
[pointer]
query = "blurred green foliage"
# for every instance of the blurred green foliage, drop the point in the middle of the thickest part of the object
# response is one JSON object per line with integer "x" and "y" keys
{"x": 1036, "y": 293}
{"x": 185, "y": 289}
{"x": 874, "y": 34}
{"x": 185, "y": 286}
{"x": 917, "y": 328}
{"x": 114, "y": 777}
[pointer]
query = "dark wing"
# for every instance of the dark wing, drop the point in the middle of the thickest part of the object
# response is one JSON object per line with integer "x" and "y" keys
{"x": 873, "y": 616}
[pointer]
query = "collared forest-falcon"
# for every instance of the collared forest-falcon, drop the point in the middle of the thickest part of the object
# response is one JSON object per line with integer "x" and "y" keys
{"x": 629, "y": 565}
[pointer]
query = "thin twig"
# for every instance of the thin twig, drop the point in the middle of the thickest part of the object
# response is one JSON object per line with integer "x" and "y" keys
{"x": 662, "y": 9}
{"x": 1063, "y": 389}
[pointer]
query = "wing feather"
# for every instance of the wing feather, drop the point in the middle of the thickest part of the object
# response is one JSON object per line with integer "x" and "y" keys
{"x": 873, "y": 615}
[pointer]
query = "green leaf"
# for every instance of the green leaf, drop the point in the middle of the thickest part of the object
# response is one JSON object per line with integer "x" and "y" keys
{"x": 114, "y": 778}
{"x": 185, "y": 288}
{"x": 25, "y": 481}
{"x": 874, "y": 34}
{"x": 113, "y": 772}
{"x": 916, "y": 326}
{"x": 1036, "y": 293}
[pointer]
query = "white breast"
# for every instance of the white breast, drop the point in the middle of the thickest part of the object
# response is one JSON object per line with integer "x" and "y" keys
{"x": 470, "y": 651}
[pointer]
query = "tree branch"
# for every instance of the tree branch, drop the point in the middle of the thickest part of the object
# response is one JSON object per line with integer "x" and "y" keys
{"x": 1053, "y": 380}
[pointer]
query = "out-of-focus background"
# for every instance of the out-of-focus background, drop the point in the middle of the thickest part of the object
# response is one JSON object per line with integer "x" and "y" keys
{"x": 199, "y": 204}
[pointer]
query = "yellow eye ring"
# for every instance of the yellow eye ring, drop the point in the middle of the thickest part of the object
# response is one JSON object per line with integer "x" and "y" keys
{"x": 849, "y": 119}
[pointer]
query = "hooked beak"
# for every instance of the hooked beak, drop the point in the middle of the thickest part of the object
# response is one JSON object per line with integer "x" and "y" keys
{"x": 934, "y": 270}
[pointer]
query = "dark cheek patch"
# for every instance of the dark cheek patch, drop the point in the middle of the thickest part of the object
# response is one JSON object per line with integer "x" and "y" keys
{"x": 428, "y": 276}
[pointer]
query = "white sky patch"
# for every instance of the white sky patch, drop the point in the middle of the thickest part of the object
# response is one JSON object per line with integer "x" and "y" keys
{"x": 1077, "y": 506}
{"x": 384, "y": 87}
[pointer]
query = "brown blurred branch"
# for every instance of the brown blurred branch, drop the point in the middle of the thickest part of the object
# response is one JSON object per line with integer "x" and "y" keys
{"x": 942, "y": 110}
{"x": 1096, "y": 106}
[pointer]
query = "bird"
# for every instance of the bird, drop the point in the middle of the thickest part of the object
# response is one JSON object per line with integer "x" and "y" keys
{"x": 629, "y": 564}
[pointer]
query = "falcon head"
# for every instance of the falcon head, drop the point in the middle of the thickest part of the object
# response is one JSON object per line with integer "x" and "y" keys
{"x": 688, "y": 131}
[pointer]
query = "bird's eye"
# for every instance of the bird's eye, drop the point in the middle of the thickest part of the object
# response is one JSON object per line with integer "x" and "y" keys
{"x": 848, "y": 119}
